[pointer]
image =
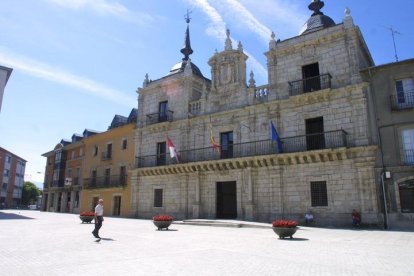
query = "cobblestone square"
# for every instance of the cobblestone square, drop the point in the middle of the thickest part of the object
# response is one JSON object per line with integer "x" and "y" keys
{"x": 40, "y": 243}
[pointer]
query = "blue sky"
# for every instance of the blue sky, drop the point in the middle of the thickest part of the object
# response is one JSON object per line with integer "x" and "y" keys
{"x": 77, "y": 63}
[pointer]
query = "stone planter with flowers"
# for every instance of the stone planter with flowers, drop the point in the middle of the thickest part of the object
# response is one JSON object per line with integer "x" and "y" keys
{"x": 87, "y": 217}
{"x": 284, "y": 228}
{"x": 162, "y": 221}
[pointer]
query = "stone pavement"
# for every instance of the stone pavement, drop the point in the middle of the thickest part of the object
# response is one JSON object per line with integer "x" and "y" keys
{"x": 39, "y": 243}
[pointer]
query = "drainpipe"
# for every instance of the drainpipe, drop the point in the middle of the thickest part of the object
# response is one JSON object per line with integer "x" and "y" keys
{"x": 384, "y": 199}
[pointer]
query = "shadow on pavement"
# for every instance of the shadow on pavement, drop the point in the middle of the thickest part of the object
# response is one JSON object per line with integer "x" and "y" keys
{"x": 12, "y": 216}
{"x": 167, "y": 230}
{"x": 294, "y": 239}
{"x": 107, "y": 239}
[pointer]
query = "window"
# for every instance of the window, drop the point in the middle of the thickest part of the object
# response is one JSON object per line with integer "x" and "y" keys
{"x": 161, "y": 153}
{"x": 311, "y": 79}
{"x": 52, "y": 200}
{"x": 80, "y": 152}
{"x": 162, "y": 111}
{"x": 315, "y": 138}
{"x": 405, "y": 92}
{"x": 122, "y": 175}
{"x": 95, "y": 150}
{"x": 407, "y": 196}
{"x": 319, "y": 195}
{"x": 226, "y": 142}
{"x": 157, "y": 197}
{"x": 107, "y": 176}
{"x": 116, "y": 206}
{"x": 8, "y": 159}
{"x": 93, "y": 177}
{"x": 124, "y": 143}
{"x": 109, "y": 151}
{"x": 4, "y": 186}
{"x": 6, "y": 173}
{"x": 408, "y": 146}
{"x": 58, "y": 156}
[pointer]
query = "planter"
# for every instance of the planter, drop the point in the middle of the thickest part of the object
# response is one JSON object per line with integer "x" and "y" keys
{"x": 162, "y": 224}
{"x": 86, "y": 219}
{"x": 284, "y": 232}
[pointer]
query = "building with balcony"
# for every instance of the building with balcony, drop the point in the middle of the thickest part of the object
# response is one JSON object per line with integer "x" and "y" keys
{"x": 226, "y": 148}
{"x": 108, "y": 158}
{"x": 90, "y": 166}
{"x": 392, "y": 92}
{"x": 12, "y": 168}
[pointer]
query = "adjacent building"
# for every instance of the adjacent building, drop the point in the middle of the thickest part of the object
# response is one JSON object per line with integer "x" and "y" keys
{"x": 12, "y": 168}
{"x": 392, "y": 98}
{"x": 90, "y": 166}
{"x": 109, "y": 156}
{"x": 5, "y": 73}
{"x": 226, "y": 148}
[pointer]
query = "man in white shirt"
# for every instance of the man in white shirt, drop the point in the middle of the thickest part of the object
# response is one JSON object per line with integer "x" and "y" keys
{"x": 98, "y": 218}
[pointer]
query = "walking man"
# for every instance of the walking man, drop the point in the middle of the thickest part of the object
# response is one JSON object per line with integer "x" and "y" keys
{"x": 98, "y": 218}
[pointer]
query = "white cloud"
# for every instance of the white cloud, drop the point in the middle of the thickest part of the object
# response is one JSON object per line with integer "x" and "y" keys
{"x": 50, "y": 73}
{"x": 250, "y": 21}
{"x": 217, "y": 29}
{"x": 103, "y": 7}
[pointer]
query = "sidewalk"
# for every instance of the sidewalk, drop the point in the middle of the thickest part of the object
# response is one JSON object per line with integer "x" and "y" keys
{"x": 39, "y": 243}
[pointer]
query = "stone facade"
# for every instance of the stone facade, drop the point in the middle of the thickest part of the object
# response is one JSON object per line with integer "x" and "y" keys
{"x": 318, "y": 103}
{"x": 392, "y": 96}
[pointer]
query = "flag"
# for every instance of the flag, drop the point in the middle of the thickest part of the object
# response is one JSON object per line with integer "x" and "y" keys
{"x": 275, "y": 137}
{"x": 216, "y": 146}
{"x": 171, "y": 147}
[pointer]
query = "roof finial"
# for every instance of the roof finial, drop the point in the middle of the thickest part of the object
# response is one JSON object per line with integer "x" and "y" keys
{"x": 227, "y": 45}
{"x": 186, "y": 50}
{"x": 316, "y": 6}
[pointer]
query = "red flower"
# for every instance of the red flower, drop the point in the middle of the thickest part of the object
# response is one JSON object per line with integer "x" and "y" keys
{"x": 162, "y": 218}
{"x": 87, "y": 214}
{"x": 284, "y": 223}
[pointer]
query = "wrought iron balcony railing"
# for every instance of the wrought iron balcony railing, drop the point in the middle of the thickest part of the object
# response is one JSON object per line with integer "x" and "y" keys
{"x": 309, "y": 84}
{"x": 160, "y": 117}
{"x": 105, "y": 181}
{"x": 106, "y": 155}
{"x": 409, "y": 157}
{"x": 331, "y": 139}
{"x": 401, "y": 101}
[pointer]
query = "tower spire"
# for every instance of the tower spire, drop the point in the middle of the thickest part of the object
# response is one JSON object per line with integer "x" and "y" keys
{"x": 186, "y": 50}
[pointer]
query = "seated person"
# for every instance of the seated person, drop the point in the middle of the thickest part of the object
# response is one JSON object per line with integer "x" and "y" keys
{"x": 356, "y": 218}
{"x": 308, "y": 217}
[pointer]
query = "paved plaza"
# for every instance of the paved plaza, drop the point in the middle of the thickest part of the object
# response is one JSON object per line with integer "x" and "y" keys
{"x": 40, "y": 243}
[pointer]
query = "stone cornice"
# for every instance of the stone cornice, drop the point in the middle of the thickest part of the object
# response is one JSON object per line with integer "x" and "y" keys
{"x": 364, "y": 154}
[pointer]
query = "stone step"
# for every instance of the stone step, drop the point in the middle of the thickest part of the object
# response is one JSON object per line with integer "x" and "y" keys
{"x": 224, "y": 223}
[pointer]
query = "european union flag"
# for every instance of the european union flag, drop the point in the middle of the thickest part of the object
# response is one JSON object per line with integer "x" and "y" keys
{"x": 275, "y": 137}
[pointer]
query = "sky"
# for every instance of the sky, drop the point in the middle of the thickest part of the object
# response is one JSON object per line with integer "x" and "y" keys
{"x": 77, "y": 63}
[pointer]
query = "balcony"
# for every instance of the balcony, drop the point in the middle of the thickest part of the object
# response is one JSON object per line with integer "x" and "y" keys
{"x": 160, "y": 117}
{"x": 325, "y": 140}
{"x": 408, "y": 157}
{"x": 112, "y": 181}
{"x": 107, "y": 155}
{"x": 309, "y": 84}
{"x": 402, "y": 101}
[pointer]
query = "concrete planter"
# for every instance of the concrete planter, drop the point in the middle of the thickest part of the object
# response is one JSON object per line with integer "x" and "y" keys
{"x": 86, "y": 219}
{"x": 284, "y": 232}
{"x": 162, "y": 224}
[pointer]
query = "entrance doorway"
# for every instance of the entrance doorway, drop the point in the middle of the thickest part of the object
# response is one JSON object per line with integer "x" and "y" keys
{"x": 226, "y": 200}
{"x": 311, "y": 78}
{"x": 117, "y": 206}
{"x": 315, "y": 137}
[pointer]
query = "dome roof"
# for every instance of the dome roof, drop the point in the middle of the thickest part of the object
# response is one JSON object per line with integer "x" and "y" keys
{"x": 179, "y": 67}
{"x": 318, "y": 20}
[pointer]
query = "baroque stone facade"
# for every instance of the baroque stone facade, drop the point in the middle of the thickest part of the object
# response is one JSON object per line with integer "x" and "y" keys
{"x": 322, "y": 158}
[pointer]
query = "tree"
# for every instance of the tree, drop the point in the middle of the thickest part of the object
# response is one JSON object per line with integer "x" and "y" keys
{"x": 30, "y": 193}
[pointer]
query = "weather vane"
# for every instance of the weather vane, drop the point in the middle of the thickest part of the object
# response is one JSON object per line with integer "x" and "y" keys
{"x": 187, "y": 16}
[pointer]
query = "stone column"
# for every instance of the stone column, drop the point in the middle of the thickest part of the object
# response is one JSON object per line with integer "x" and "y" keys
{"x": 64, "y": 202}
{"x": 196, "y": 205}
{"x": 249, "y": 206}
